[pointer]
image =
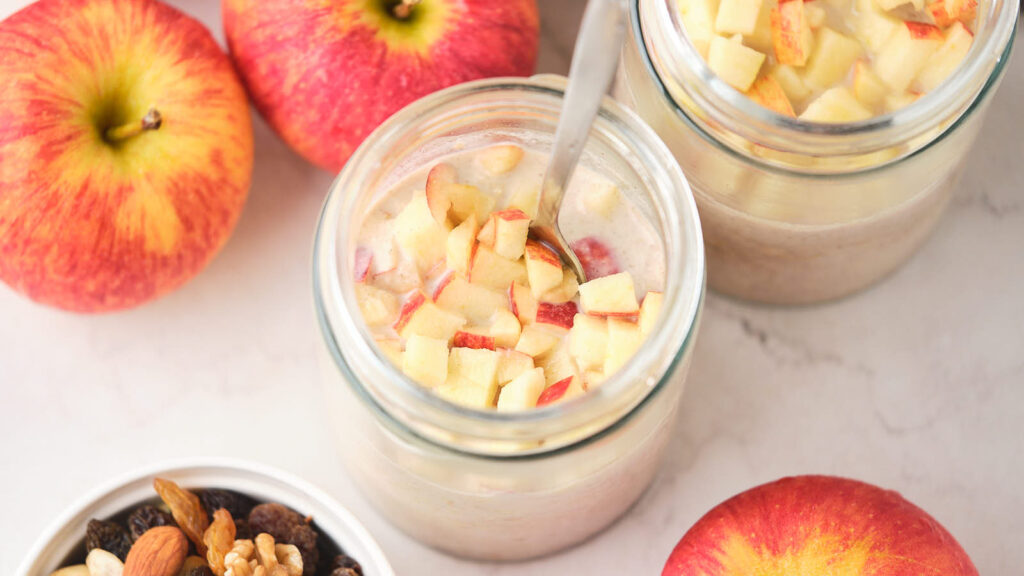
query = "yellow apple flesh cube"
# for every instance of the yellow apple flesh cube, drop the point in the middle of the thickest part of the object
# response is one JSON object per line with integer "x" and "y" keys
{"x": 510, "y": 230}
{"x": 947, "y": 58}
{"x": 524, "y": 305}
{"x": 767, "y": 92}
{"x": 522, "y": 392}
{"x": 588, "y": 341}
{"x": 494, "y": 271}
{"x": 592, "y": 379}
{"x": 472, "y": 301}
{"x": 612, "y": 295}
{"x": 460, "y": 244}
{"x": 466, "y": 393}
{"x": 761, "y": 38}
{"x": 558, "y": 365}
{"x": 543, "y": 268}
{"x": 602, "y": 198}
{"x": 377, "y": 306}
{"x": 419, "y": 235}
{"x": 737, "y": 16}
{"x": 535, "y": 341}
{"x": 565, "y": 291}
{"x": 511, "y": 364}
{"x": 500, "y": 159}
{"x": 734, "y": 63}
{"x": 467, "y": 200}
{"x": 476, "y": 365}
{"x": 487, "y": 233}
{"x": 905, "y": 54}
{"x": 504, "y": 328}
{"x": 873, "y": 26}
{"x": 835, "y": 105}
{"x": 867, "y": 87}
{"x": 791, "y": 34}
{"x": 815, "y": 15}
{"x": 650, "y": 310}
{"x": 526, "y": 197}
{"x": 699, "y": 20}
{"x": 834, "y": 53}
{"x": 624, "y": 338}
{"x": 791, "y": 82}
{"x": 425, "y": 360}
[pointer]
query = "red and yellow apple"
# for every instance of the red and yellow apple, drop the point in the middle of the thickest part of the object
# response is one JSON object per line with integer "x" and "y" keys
{"x": 326, "y": 73}
{"x": 816, "y": 525}
{"x": 125, "y": 151}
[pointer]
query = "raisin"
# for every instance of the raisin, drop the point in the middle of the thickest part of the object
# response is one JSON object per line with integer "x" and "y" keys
{"x": 345, "y": 565}
{"x": 187, "y": 511}
{"x": 219, "y": 539}
{"x": 200, "y": 571}
{"x": 214, "y": 499}
{"x": 147, "y": 517}
{"x": 242, "y": 530}
{"x": 287, "y": 527}
{"x": 107, "y": 536}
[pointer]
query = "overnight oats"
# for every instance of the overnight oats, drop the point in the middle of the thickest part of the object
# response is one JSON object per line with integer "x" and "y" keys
{"x": 822, "y": 138}
{"x": 486, "y": 401}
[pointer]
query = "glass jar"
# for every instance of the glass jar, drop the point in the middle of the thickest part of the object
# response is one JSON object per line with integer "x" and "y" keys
{"x": 799, "y": 212}
{"x": 483, "y": 484}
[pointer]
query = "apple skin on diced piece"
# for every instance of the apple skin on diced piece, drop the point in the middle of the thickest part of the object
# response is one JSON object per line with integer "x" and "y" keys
{"x": 505, "y": 328}
{"x": 536, "y": 341}
{"x": 511, "y": 227}
{"x": 595, "y": 257}
{"x": 556, "y": 315}
{"x": 421, "y": 316}
{"x": 650, "y": 311}
{"x": 543, "y": 268}
{"x": 522, "y": 303}
{"x": 964, "y": 11}
{"x": 565, "y": 389}
{"x": 699, "y": 20}
{"x": 905, "y": 54}
{"x": 378, "y": 307}
{"x": 833, "y": 55}
{"x": 940, "y": 17}
{"x": 425, "y": 360}
{"x": 472, "y": 301}
{"x": 461, "y": 245}
{"x": 601, "y": 198}
{"x": 511, "y": 364}
{"x": 437, "y": 197}
{"x": 565, "y": 291}
{"x": 867, "y": 87}
{"x": 791, "y": 83}
{"x": 421, "y": 237}
{"x": 734, "y": 63}
{"x": 473, "y": 339}
{"x": 767, "y": 92}
{"x": 500, "y": 159}
{"x": 737, "y": 16}
{"x": 522, "y": 392}
{"x": 494, "y": 271}
{"x": 947, "y": 58}
{"x": 362, "y": 259}
{"x": 791, "y": 33}
{"x": 588, "y": 341}
{"x": 612, "y": 295}
{"x": 624, "y": 339}
{"x": 835, "y": 106}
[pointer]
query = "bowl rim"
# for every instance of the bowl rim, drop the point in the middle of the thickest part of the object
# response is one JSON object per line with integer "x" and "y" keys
{"x": 372, "y": 557}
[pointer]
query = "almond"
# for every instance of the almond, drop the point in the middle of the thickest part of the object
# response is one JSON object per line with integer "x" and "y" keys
{"x": 159, "y": 551}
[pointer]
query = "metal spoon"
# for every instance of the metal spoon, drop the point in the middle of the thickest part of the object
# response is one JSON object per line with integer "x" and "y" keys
{"x": 593, "y": 64}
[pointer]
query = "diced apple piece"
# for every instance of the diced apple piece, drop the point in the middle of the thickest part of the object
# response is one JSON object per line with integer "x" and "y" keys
{"x": 522, "y": 303}
{"x": 595, "y": 257}
{"x": 791, "y": 82}
{"x": 511, "y": 364}
{"x": 737, "y": 16}
{"x": 558, "y": 364}
{"x": 834, "y": 53}
{"x": 588, "y": 341}
{"x": 543, "y": 268}
{"x": 557, "y": 315}
{"x": 835, "y": 105}
{"x": 419, "y": 235}
{"x": 791, "y": 33}
{"x": 477, "y": 365}
{"x": 468, "y": 200}
{"x": 400, "y": 279}
{"x": 699, "y": 20}
{"x": 500, "y": 159}
{"x": 734, "y": 63}
{"x": 602, "y": 198}
{"x": 535, "y": 341}
{"x": 526, "y": 197}
{"x": 466, "y": 393}
{"x": 767, "y": 92}
{"x": 511, "y": 228}
{"x": 473, "y": 338}
{"x": 873, "y": 26}
{"x": 867, "y": 87}
{"x": 436, "y": 190}
{"x": 609, "y": 296}
{"x": 472, "y": 301}
{"x": 592, "y": 379}
{"x": 392, "y": 350}
{"x": 962, "y": 10}
{"x": 461, "y": 245}
{"x": 815, "y": 15}
{"x": 889, "y": 5}
{"x": 487, "y": 233}
{"x": 894, "y": 102}
{"x": 494, "y": 271}
{"x": 947, "y": 58}
{"x": 650, "y": 310}
{"x": 377, "y": 306}
{"x": 624, "y": 339}
{"x": 522, "y": 392}
{"x": 905, "y": 54}
{"x": 761, "y": 38}
{"x": 505, "y": 328}
{"x": 940, "y": 17}
{"x": 565, "y": 291}
{"x": 421, "y": 316}
{"x": 425, "y": 360}
{"x": 361, "y": 262}
{"x": 565, "y": 389}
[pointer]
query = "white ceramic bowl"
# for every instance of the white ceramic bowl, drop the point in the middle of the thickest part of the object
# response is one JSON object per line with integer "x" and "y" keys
{"x": 263, "y": 483}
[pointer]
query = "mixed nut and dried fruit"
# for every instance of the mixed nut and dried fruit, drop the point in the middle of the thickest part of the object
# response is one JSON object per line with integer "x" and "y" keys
{"x": 209, "y": 532}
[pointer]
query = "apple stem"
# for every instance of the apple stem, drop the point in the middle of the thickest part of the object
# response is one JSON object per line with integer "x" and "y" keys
{"x": 151, "y": 121}
{"x": 403, "y": 10}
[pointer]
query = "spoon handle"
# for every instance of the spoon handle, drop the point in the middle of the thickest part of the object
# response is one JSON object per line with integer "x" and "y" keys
{"x": 595, "y": 58}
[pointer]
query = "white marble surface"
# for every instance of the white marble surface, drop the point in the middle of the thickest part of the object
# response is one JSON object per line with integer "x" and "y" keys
{"x": 916, "y": 384}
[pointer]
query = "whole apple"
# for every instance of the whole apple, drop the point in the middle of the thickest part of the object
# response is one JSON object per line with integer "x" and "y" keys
{"x": 818, "y": 525}
{"x": 125, "y": 151}
{"x": 325, "y": 74}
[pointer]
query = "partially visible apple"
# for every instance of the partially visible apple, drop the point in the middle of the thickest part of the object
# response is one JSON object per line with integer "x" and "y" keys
{"x": 125, "y": 151}
{"x": 818, "y": 525}
{"x": 325, "y": 74}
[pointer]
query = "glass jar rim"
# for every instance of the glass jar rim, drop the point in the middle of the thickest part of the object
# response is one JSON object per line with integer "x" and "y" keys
{"x": 674, "y": 68}
{"x": 424, "y": 413}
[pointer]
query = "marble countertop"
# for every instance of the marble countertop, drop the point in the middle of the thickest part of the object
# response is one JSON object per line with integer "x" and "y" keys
{"x": 916, "y": 384}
